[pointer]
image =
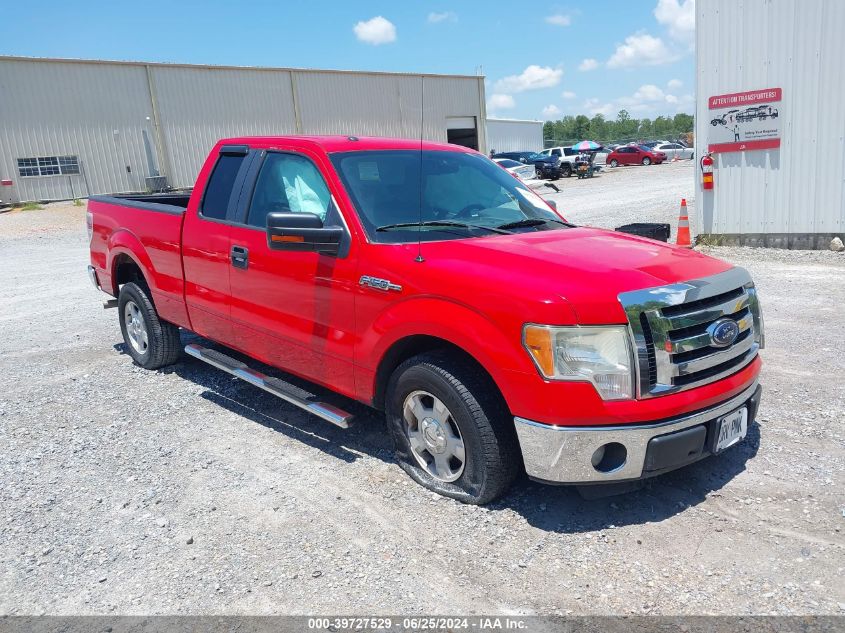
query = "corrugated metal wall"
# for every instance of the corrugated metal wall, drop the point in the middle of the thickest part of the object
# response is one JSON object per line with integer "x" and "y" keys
{"x": 99, "y": 111}
{"x": 512, "y": 135}
{"x": 798, "y": 189}
{"x": 88, "y": 110}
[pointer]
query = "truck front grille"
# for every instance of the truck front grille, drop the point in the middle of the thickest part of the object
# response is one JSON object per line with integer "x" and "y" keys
{"x": 671, "y": 328}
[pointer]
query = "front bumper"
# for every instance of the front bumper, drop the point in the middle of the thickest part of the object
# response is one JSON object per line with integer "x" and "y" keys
{"x": 560, "y": 454}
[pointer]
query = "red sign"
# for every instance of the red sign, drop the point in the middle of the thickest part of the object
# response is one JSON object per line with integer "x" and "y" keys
{"x": 742, "y": 121}
{"x": 6, "y": 183}
{"x": 735, "y": 99}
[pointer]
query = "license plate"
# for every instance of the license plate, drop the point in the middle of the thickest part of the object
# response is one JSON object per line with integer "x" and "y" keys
{"x": 732, "y": 429}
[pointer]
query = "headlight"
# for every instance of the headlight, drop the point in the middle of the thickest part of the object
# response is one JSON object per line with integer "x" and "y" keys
{"x": 599, "y": 354}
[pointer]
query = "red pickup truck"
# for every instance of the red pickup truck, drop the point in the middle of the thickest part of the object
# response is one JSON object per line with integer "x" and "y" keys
{"x": 425, "y": 281}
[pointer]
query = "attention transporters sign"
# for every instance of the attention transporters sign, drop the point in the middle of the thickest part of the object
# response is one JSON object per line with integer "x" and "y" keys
{"x": 743, "y": 121}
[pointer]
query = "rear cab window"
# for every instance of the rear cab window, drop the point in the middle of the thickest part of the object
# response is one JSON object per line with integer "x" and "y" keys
{"x": 218, "y": 191}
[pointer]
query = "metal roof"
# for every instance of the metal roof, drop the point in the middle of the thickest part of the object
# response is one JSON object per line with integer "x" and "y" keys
{"x": 70, "y": 60}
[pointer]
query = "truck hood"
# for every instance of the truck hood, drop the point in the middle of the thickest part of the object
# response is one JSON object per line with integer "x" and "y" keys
{"x": 588, "y": 268}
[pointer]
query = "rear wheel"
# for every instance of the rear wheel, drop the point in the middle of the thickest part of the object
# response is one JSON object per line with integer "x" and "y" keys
{"x": 151, "y": 342}
{"x": 451, "y": 428}
{"x": 614, "y": 163}
{"x": 646, "y": 160}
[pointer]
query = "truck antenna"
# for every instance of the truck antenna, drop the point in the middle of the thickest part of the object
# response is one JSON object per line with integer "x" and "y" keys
{"x": 419, "y": 257}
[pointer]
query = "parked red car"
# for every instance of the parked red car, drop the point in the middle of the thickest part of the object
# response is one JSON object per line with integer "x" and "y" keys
{"x": 634, "y": 155}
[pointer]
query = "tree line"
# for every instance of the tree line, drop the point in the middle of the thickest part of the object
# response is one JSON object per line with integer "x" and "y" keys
{"x": 571, "y": 129}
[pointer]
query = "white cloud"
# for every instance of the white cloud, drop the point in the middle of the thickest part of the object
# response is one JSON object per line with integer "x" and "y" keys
{"x": 500, "y": 102}
{"x": 559, "y": 19}
{"x": 588, "y": 64}
{"x": 649, "y": 92}
{"x": 679, "y": 18}
{"x": 568, "y": 94}
{"x": 446, "y": 16}
{"x": 375, "y": 31}
{"x": 640, "y": 49}
{"x": 647, "y": 101}
{"x": 532, "y": 78}
{"x": 674, "y": 84}
{"x": 594, "y": 106}
{"x": 551, "y": 111}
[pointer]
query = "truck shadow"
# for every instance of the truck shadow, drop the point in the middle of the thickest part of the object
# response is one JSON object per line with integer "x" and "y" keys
{"x": 558, "y": 509}
{"x": 367, "y": 436}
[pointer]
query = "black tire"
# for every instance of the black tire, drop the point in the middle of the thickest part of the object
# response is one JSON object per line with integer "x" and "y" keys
{"x": 493, "y": 459}
{"x": 614, "y": 163}
{"x": 163, "y": 345}
{"x": 566, "y": 171}
{"x": 646, "y": 160}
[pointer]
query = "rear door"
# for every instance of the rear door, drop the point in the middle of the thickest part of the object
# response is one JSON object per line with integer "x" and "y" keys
{"x": 292, "y": 309}
{"x": 205, "y": 246}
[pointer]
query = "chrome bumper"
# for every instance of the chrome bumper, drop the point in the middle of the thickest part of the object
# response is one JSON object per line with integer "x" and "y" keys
{"x": 92, "y": 275}
{"x": 565, "y": 454}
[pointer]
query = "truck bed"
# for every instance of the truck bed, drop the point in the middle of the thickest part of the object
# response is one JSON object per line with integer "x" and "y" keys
{"x": 146, "y": 229}
{"x": 175, "y": 202}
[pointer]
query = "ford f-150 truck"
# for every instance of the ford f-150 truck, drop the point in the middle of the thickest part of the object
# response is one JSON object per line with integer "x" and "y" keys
{"x": 425, "y": 281}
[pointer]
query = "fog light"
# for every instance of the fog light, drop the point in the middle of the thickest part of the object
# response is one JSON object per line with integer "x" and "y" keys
{"x": 609, "y": 457}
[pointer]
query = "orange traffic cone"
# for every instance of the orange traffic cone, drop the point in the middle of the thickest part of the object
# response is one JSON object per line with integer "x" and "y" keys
{"x": 683, "y": 238}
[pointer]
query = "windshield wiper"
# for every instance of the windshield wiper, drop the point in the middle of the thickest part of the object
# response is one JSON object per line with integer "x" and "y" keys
{"x": 525, "y": 222}
{"x": 404, "y": 225}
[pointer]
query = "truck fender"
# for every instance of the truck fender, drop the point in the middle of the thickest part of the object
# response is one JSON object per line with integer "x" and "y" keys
{"x": 123, "y": 242}
{"x": 474, "y": 333}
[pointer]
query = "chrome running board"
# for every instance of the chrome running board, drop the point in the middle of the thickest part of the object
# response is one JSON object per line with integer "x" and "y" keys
{"x": 276, "y": 386}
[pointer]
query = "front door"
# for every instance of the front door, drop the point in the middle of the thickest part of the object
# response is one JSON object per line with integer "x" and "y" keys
{"x": 294, "y": 310}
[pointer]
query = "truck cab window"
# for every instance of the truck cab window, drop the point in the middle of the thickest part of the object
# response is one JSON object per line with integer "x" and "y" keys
{"x": 288, "y": 183}
{"x": 215, "y": 201}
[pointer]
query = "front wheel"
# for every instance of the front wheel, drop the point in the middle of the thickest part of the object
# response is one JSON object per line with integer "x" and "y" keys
{"x": 646, "y": 161}
{"x": 566, "y": 171}
{"x": 151, "y": 342}
{"x": 451, "y": 429}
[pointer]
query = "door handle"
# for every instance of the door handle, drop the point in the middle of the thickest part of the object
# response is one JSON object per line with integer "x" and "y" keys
{"x": 239, "y": 256}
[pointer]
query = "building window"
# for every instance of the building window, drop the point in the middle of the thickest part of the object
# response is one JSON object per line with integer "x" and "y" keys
{"x": 48, "y": 166}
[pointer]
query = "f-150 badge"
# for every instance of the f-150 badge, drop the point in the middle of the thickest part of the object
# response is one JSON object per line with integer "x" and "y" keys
{"x": 378, "y": 284}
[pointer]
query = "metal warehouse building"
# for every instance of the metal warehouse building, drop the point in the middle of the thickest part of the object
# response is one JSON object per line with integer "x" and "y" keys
{"x": 70, "y": 128}
{"x": 514, "y": 135}
{"x": 771, "y": 110}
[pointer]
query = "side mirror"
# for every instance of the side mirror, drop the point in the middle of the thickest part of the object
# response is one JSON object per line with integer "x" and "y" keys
{"x": 302, "y": 232}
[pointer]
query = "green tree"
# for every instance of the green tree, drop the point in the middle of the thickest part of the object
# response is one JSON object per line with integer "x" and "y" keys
{"x": 598, "y": 128}
{"x": 683, "y": 123}
{"x": 581, "y": 129}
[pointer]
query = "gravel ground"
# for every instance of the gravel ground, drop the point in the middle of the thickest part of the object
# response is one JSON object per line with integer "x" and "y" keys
{"x": 186, "y": 491}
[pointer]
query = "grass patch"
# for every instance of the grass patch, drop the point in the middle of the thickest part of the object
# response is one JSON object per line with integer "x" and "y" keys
{"x": 77, "y": 202}
{"x": 32, "y": 206}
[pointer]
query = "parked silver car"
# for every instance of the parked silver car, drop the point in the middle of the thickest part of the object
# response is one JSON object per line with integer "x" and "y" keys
{"x": 675, "y": 150}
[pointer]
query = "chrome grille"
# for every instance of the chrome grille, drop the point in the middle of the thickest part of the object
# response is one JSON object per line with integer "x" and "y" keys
{"x": 669, "y": 324}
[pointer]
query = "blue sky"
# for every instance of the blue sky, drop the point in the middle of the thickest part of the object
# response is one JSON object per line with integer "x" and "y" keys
{"x": 566, "y": 58}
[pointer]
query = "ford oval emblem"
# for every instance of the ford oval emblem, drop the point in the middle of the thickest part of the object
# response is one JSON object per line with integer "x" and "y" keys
{"x": 723, "y": 332}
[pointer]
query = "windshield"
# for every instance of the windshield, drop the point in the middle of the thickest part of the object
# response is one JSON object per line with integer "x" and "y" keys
{"x": 506, "y": 162}
{"x": 457, "y": 195}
